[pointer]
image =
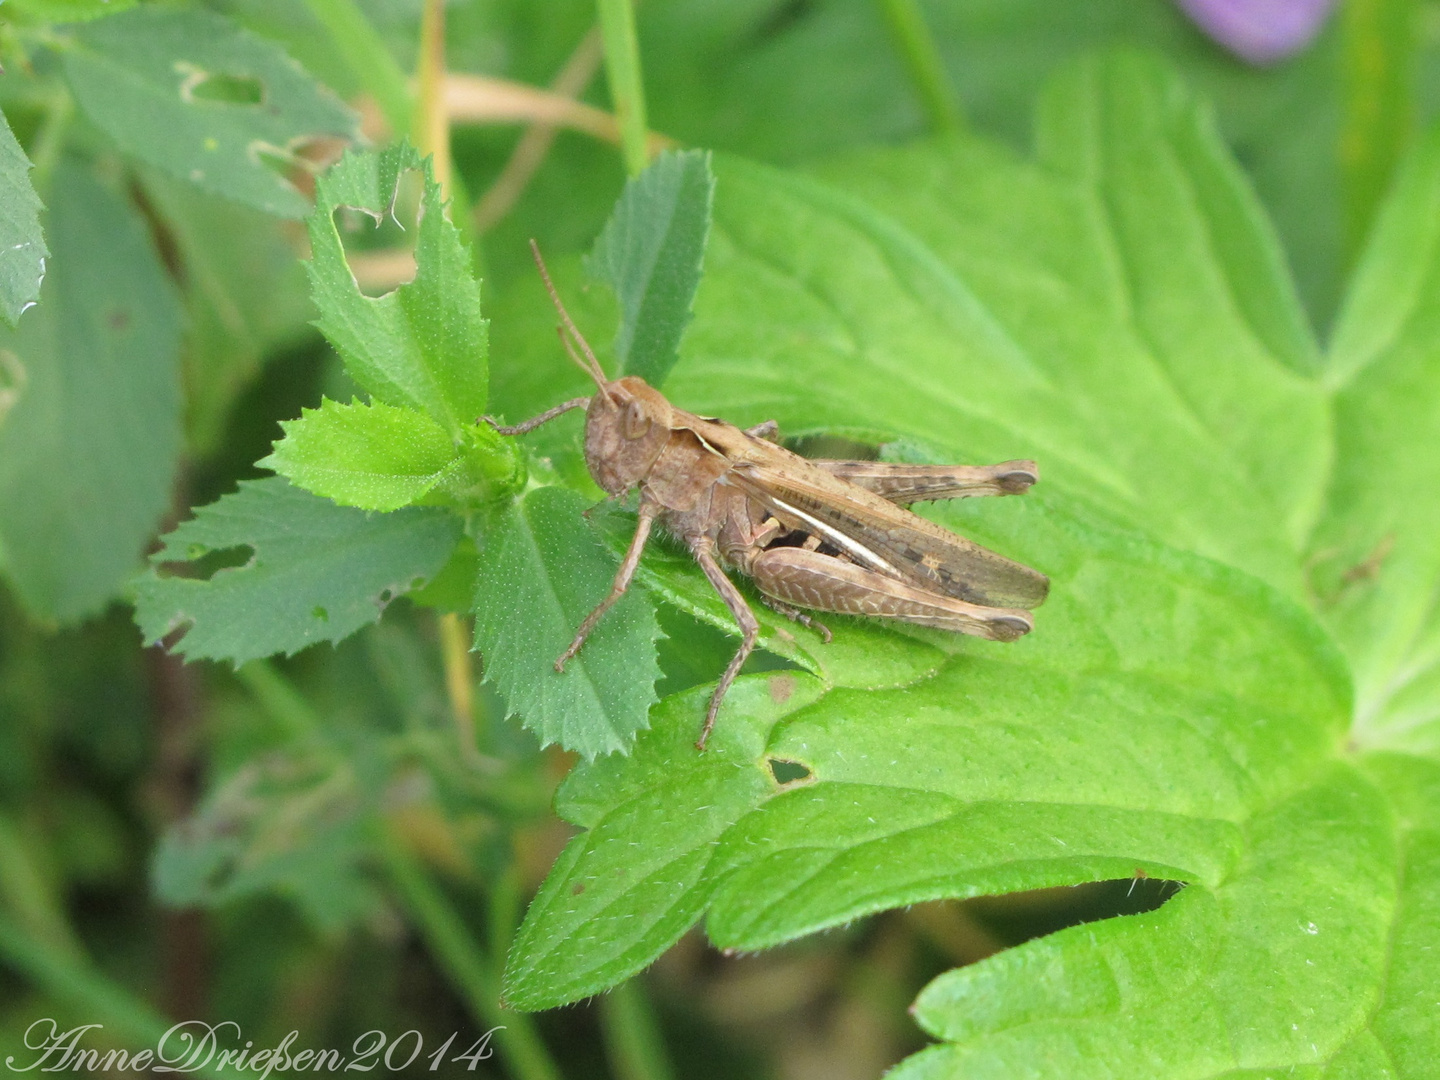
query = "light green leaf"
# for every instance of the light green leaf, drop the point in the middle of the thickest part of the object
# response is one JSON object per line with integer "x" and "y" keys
{"x": 376, "y": 457}
{"x": 1376, "y": 559}
{"x": 541, "y": 573}
{"x": 69, "y": 11}
{"x": 22, "y": 244}
{"x": 1117, "y": 310}
{"x": 1135, "y": 728}
{"x": 424, "y": 345}
{"x": 315, "y": 571}
{"x": 88, "y": 449}
{"x": 191, "y": 93}
{"x": 1153, "y": 386}
{"x": 650, "y": 254}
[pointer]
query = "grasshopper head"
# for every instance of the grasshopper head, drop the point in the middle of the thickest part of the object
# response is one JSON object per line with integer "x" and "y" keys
{"x": 626, "y": 428}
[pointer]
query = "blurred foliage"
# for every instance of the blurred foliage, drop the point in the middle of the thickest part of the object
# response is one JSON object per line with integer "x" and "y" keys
{"x": 346, "y": 839}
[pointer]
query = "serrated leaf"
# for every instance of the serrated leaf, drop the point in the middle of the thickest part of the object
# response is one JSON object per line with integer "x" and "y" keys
{"x": 423, "y": 346}
{"x": 193, "y": 94}
{"x": 315, "y": 571}
{"x": 22, "y": 243}
{"x": 376, "y": 457}
{"x": 541, "y": 573}
{"x": 650, "y": 254}
{"x": 90, "y": 443}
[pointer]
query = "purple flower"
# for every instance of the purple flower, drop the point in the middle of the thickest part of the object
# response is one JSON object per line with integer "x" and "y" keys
{"x": 1260, "y": 31}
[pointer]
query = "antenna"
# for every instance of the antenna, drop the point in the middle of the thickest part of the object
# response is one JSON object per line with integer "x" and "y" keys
{"x": 589, "y": 365}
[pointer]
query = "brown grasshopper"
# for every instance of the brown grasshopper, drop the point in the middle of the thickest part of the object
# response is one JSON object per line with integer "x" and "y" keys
{"x": 825, "y": 535}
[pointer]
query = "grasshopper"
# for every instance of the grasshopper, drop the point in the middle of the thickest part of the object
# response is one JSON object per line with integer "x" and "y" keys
{"x": 825, "y": 535}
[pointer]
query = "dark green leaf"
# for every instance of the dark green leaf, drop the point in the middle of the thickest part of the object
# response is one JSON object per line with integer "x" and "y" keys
{"x": 422, "y": 346}
{"x": 193, "y": 94}
{"x": 22, "y": 244}
{"x": 650, "y": 254}
{"x": 245, "y": 297}
{"x": 541, "y": 572}
{"x": 88, "y": 450}
{"x": 301, "y": 570}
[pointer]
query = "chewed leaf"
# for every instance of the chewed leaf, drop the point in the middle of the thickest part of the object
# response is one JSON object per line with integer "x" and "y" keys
{"x": 541, "y": 573}
{"x": 650, "y": 253}
{"x": 309, "y": 571}
{"x": 190, "y": 92}
{"x": 423, "y": 346}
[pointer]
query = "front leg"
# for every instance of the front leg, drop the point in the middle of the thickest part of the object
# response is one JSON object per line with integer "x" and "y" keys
{"x": 703, "y": 548}
{"x": 648, "y": 512}
{"x": 535, "y": 421}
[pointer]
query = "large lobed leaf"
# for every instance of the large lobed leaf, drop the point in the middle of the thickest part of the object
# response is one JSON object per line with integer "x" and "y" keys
{"x": 1119, "y": 310}
{"x": 89, "y": 446}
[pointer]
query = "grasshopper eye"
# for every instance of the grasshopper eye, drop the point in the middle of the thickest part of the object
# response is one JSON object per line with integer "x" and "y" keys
{"x": 636, "y": 422}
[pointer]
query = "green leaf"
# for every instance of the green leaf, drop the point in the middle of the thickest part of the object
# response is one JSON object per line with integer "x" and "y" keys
{"x": 424, "y": 345}
{"x": 70, "y": 11}
{"x": 1375, "y": 562}
{"x": 1167, "y": 381}
{"x": 650, "y": 254}
{"x": 89, "y": 447}
{"x": 314, "y": 572}
{"x": 376, "y": 457}
{"x": 191, "y": 93}
{"x": 22, "y": 244}
{"x": 541, "y": 573}
{"x": 1217, "y": 500}
{"x": 1134, "y": 728}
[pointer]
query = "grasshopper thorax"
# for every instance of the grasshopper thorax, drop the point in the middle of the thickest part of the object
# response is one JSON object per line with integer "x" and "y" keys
{"x": 626, "y": 427}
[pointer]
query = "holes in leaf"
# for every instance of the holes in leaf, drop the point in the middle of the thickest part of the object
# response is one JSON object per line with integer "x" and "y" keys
{"x": 227, "y": 89}
{"x": 205, "y": 563}
{"x": 380, "y": 246}
{"x": 789, "y": 772}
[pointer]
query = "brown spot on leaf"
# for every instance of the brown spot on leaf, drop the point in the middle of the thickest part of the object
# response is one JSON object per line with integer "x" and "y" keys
{"x": 781, "y": 687}
{"x": 578, "y": 888}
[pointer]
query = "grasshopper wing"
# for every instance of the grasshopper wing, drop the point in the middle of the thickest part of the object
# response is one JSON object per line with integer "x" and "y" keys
{"x": 884, "y": 537}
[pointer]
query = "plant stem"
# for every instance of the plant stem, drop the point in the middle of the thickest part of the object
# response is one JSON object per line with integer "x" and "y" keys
{"x": 432, "y": 124}
{"x": 279, "y": 698}
{"x": 452, "y": 945}
{"x": 633, "y": 1043}
{"x": 627, "y": 89}
{"x": 89, "y": 993}
{"x": 459, "y": 679}
{"x": 369, "y": 59}
{"x": 922, "y": 56}
{"x": 27, "y": 894}
{"x": 50, "y": 138}
{"x": 1381, "y": 43}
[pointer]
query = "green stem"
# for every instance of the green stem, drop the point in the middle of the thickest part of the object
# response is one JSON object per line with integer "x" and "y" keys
{"x": 89, "y": 993}
{"x": 627, "y": 90}
{"x": 279, "y": 698}
{"x": 50, "y": 138}
{"x": 922, "y": 56}
{"x": 633, "y": 1042}
{"x": 452, "y": 945}
{"x": 28, "y": 895}
{"x": 369, "y": 60}
{"x": 1381, "y": 45}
